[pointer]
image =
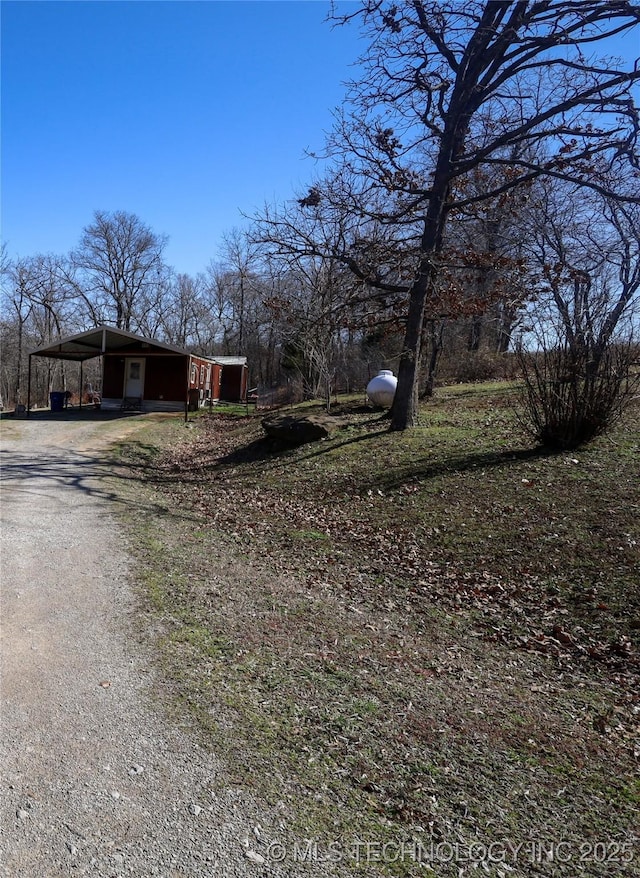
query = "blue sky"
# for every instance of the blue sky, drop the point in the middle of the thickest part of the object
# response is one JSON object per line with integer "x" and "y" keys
{"x": 184, "y": 113}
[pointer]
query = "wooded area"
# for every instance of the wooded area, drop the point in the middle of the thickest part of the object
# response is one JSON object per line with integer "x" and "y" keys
{"x": 477, "y": 216}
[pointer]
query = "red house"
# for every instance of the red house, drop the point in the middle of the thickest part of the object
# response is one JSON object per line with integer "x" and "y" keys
{"x": 139, "y": 373}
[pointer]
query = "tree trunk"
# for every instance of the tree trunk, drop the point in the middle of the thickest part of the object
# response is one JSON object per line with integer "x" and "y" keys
{"x": 17, "y": 393}
{"x": 475, "y": 333}
{"x": 435, "y": 341}
{"x": 504, "y": 333}
{"x": 404, "y": 412}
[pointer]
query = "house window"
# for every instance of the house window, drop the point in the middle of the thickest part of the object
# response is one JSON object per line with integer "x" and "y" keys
{"x": 202, "y": 376}
{"x": 194, "y": 373}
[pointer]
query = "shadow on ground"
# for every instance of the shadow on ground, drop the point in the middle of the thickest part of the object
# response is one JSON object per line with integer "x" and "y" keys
{"x": 71, "y": 414}
{"x": 87, "y": 476}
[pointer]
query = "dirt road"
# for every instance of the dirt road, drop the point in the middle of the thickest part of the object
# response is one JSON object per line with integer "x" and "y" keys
{"x": 95, "y": 781}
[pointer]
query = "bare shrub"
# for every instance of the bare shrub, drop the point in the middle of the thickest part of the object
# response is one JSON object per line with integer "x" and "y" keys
{"x": 571, "y": 396}
{"x": 578, "y": 353}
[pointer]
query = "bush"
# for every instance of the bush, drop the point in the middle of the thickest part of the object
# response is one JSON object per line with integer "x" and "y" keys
{"x": 571, "y": 395}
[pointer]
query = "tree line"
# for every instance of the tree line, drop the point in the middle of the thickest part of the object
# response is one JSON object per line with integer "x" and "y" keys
{"x": 239, "y": 304}
{"x": 478, "y": 211}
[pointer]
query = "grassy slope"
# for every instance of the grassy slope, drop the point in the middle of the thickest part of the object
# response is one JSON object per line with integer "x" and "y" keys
{"x": 435, "y": 631}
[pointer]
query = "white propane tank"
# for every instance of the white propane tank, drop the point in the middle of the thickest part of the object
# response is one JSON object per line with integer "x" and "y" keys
{"x": 382, "y": 388}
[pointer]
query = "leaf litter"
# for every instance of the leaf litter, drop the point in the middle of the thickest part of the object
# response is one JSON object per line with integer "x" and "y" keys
{"x": 437, "y": 633}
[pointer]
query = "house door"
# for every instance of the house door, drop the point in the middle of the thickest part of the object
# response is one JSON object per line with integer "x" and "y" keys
{"x": 134, "y": 378}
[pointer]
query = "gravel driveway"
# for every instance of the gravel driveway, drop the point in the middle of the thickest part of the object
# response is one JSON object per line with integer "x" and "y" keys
{"x": 95, "y": 781}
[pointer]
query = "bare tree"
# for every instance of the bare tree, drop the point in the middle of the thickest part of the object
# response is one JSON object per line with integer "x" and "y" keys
{"x": 450, "y": 88}
{"x": 236, "y": 292}
{"x": 307, "y": 308}
{"x": 239, "y": 256}
{"x": 39, "y": 305}
{"x": 121, "y": 267}
{"x": 17, "y": 307}
{"x": 579, "y": 350}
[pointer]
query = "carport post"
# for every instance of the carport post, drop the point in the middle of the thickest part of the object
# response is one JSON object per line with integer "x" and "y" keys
{"x": 29, "y": 387}
{"x": 80, "y": 403}
{"x": 186, "y": 401}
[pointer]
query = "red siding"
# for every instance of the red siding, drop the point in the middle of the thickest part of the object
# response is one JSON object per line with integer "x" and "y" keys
{"x": 166, "y": 378}
{"x": 204, "y": 376}
{"x": 113, "y": 377}
{"x": 234, "y": 383}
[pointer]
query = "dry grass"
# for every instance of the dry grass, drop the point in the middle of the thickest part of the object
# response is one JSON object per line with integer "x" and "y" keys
{"x": 428, "y": 636}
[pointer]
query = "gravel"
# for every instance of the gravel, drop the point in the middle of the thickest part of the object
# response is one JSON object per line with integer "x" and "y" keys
{"x": 96, "y": 780}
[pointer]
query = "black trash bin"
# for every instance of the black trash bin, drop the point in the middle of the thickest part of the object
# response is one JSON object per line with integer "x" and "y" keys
{"x": 57, "y": 400}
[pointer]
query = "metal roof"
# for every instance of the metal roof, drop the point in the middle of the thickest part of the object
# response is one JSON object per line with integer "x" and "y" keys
{"x": 101, "y": 340}
{"x": 229, "y": 361}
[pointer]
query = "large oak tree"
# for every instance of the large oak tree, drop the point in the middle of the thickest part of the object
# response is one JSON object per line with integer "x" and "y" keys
{"x": 451, "y": 89}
